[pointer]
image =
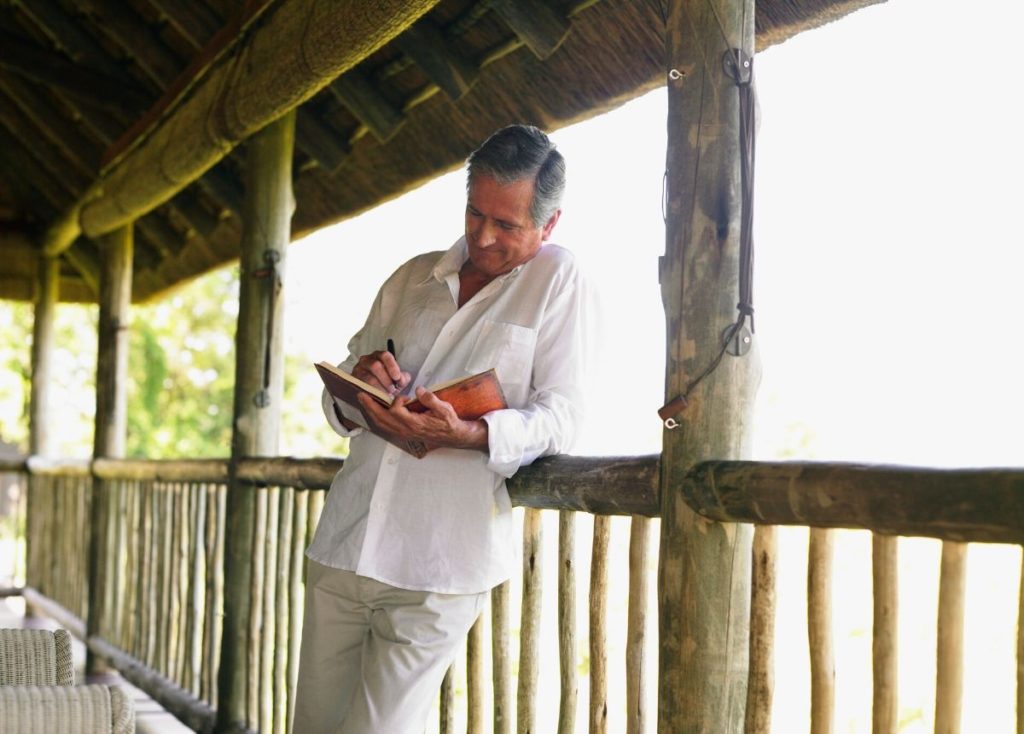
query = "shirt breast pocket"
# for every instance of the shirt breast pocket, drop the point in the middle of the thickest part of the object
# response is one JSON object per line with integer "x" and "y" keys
{"x": 508, "y": 348}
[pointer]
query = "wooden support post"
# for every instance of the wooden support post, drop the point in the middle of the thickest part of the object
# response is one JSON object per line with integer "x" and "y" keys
{"x": 40, "y": 440}
{"x": 116, "y": 251}
{"x": 259, "y": 386}
{"x": 704, "y": 574}
{"x": 40, "y": 436}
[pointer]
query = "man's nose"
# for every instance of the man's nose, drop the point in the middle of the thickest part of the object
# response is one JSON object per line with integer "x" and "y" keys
{"x": 485, "y": 234}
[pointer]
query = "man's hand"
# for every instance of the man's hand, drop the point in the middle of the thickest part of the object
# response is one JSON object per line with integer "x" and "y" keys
{"x": 438, "y": 427}
{"x": 381, "y": 369}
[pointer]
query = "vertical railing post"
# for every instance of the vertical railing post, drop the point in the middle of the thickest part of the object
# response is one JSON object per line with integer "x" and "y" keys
{"x": 40, "y": 434}
{"x": 259, "y": 388}
{"x": 704, "y": 572}
{"x": 116, "y": 255}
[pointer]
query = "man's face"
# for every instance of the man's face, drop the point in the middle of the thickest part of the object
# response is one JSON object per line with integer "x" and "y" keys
{"x": 499, "y": 231}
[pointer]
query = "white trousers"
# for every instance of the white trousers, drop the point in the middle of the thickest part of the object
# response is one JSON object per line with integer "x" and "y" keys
{"x": 373, "y": 656}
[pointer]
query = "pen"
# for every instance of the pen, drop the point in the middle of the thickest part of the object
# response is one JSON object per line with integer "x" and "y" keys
{"x": 391, "y": 350}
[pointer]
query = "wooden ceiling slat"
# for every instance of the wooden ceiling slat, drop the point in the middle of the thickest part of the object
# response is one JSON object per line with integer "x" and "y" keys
{"x": 197, "y": 22}
{"x": 164, "y": 237}
{"x": 541, "y": 27}
{"x": 87, "y": 265}
{"x": 364, "y": 101}
{"x": 49, "y": 156}
{"x": 70, "y": 35}
{"x": 425, "y": 44}
{"x": 54, "y": 126}
{"x": 224, "y": 186}
{"x": 29, "y": 170}
{"x": 187, "y": 204}
{"x": 54, "y": 70}
{"x": 139, "y": 40}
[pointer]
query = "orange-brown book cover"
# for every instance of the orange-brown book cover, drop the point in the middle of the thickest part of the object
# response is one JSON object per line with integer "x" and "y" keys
{"x": 471, "y": 397}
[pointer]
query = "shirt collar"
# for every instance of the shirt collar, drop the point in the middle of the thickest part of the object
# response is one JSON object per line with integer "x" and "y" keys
{"x": 452, "y": 260}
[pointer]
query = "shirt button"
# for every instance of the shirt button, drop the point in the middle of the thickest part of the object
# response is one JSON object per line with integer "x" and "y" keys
{"x": 392, "y": 460}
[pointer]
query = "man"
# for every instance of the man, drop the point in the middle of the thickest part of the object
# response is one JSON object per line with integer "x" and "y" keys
{"x": 407, "y": 549}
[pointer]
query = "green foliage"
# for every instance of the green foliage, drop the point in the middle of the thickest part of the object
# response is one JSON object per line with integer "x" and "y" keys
{"x": 181, "y": 368}
{"x": 181, "y": 375}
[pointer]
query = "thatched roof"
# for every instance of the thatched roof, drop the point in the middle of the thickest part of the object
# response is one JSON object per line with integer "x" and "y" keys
{"x": 390, "y": 95}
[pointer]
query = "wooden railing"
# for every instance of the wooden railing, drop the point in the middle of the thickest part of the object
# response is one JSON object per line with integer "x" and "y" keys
{"x": 162, "y": 580}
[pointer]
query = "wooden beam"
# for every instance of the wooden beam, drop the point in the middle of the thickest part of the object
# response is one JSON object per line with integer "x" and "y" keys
{"x": 259, "y": 388}
{"x": 319, "y": 141}
{"x": 45, "y": 66}
{"x": 704, "y": 568}
{"x": 183, "y": 144}
{"x": 451, "y": 71}
{"x": 364, "y": 101}
{"x": 968, "y": 505}
{"x": 541, "y": 27}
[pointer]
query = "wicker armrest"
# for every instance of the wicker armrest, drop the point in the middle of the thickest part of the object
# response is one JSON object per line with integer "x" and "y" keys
{"x": 92, "y": 709}
{"x": 30, "y": 657}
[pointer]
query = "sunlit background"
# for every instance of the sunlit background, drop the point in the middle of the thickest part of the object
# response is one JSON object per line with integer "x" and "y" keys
{"x": 888, "y": 274}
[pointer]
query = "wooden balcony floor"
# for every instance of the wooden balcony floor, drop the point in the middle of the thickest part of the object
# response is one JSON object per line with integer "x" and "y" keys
{"x": 150, "y": 718}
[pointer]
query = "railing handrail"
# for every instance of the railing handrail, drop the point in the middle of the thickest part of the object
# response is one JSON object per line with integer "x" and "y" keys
{"x": 966, "y": 505}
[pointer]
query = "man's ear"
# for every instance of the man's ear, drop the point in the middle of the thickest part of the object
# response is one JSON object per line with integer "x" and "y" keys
{"x": 550, "y": 225}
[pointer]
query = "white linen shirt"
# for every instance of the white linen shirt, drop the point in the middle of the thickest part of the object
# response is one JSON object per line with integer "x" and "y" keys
{"x": 443, "y": 523}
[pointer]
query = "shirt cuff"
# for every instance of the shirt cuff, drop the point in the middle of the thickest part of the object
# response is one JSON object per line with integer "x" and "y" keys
{"x": 506, "y": 441}
{"x": 329, "y": 404}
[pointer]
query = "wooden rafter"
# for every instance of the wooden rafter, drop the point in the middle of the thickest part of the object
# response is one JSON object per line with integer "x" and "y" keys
{"x": 50, "y": 68}
{"x": 425, "y": 44}
{"x": 540, "y": 26}
{"x": 54, "y": 126}
{"x": 142, "y": 42}
{"x": 363, "y": 100}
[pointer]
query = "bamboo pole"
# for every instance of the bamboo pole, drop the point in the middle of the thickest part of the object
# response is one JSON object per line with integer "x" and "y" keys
{"x": 116, "y": 250}
{"x": 567, "y": 621}
{"x": 301, "y": 524}
{"x": 819, "y": 630}
{"x": 636, "y": 625}
{"x": 282, "y": 612}
{"x": 529, "y": 623}
{"x": 762, "y": 632}
{"x": 501, "y": 661}
{"x": 704, "y": 576}
{"x": 200, "y": 569}
{"x": 475, "y": 698}
{"x": 598, "y": 719}
{"x": 950, "y": 639}
{"x": 446, "y": 725}
{"x": 259, "y": 386}
{"x": 884, "y": 558}
{"x": 266, "y": 631}
{"x": 254, "y": 648}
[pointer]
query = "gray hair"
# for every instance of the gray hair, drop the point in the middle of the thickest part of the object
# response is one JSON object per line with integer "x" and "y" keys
{"x": 519, "y": 152}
